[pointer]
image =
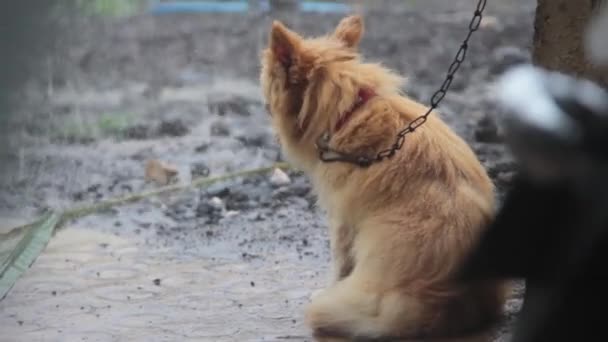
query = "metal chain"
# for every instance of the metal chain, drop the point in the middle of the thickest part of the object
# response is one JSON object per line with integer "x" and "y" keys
{"x": 436, "y": 99}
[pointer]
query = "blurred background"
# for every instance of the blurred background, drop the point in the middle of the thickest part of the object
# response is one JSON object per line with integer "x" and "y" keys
{"x": 124, "y": 75}
{"x": 105, "y": 86}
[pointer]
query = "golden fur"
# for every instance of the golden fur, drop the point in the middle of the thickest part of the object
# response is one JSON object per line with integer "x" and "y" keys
{"x": 398, "y": 228}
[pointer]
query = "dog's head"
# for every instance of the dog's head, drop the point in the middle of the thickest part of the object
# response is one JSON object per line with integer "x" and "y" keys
{"x": 308, "y": 83}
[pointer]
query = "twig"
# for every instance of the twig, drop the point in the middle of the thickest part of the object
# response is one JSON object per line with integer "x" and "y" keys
{"x": 79, "y": 212}
{"x": 197, "y": 183}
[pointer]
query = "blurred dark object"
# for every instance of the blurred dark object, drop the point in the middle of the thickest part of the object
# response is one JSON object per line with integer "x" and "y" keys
{"x": 27, "y": 35}
{"x": 29, "y": 32}
{"x": 552, "y": 229}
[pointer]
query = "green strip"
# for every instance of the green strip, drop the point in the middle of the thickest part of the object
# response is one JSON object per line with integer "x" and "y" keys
{"x": 35, "y": 239}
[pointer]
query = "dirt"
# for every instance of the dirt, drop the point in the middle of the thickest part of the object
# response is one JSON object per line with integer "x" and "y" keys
{"x": 238, "y": 260}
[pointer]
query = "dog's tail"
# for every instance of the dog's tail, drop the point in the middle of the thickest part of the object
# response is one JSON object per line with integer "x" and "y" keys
{"x": 348, "y": 310}
{"x": 484, "y": 336}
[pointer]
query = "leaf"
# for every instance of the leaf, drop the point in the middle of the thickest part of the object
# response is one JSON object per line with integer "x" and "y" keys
{"x": 33, "y": 238}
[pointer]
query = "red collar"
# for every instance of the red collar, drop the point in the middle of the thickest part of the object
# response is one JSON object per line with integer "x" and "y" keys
{"x": 364, "y": 95}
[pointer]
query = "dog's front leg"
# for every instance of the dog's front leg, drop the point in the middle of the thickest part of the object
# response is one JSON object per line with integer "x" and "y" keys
{"x": 341, "y": 241}
{"x": 342, "y": 262}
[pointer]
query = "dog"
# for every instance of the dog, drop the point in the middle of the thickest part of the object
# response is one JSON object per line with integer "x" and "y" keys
{"x": 399, "y": 229}
{"x": 552, "y": 229}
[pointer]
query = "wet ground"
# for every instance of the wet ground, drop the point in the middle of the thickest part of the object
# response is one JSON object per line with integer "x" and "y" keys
{"x": 236, "y": 261}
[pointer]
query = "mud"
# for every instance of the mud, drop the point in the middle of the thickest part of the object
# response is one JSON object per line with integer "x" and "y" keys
{"x": 236, "y": 261}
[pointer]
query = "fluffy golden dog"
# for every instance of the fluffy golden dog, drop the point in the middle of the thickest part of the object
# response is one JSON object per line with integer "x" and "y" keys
{"x": 399, "y": 228}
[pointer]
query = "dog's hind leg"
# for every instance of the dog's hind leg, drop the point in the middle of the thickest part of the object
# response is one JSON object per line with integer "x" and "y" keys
{"x": 355, "y": 308}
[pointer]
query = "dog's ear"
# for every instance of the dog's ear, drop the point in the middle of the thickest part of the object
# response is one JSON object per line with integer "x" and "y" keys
{"x": 284, "y": 43}
{"x": 350, "y": 30}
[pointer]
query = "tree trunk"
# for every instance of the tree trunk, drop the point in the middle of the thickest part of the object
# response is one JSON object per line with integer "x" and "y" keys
{"x": 559, "y": 30}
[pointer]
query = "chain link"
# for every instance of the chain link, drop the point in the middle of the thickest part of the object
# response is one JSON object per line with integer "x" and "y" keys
{"x": 436, "y": 99}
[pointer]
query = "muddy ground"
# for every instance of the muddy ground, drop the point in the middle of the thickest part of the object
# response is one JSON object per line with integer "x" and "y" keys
{"x": 236, "y": 261}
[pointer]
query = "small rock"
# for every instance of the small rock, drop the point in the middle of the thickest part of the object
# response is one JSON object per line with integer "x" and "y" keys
{"x": 279, "y": 178}
{"x": 218, "y": 190}
{"x": 143, "y": 154}
{"x": 201, "y": 148}
{"x": 156, "y": 282}
{"x": 160, "y": 172}
{"x": 489, "y": 22}
{"x": 300, "y": 202}
{"x": 217, "y": 203}
{"x": 144, "y": 225}
{"x": 78, "y": 196}
{"x": 487, "y": 131}
{"x": 259, "y": 217}
{"x": 199, "y": 170}
{"x": 231, "y": 213}
{"x": 179, "y": 212}
{"x": 137, "y": 132}
{"x": 280, "y": 195}
{"x": 233, "y": 104}
{"x": 205, "y": 209}
{"x": 173, "y": 128}
{"x": 94, "y": 188}
{"x": 255, "y": 139}
{"x": 211, "y": 210}
{"x": 219, "y": 128}
{"x": 126, "y": 187}
{"x": 238, "y": 201}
